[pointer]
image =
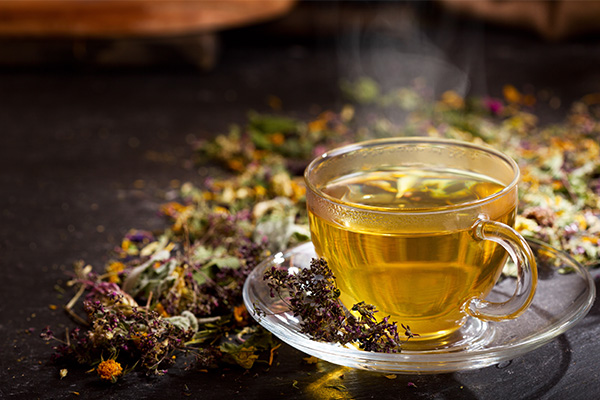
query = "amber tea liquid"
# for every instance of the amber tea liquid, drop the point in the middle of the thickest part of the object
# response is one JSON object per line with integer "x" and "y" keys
{"x": 421, "y": 278}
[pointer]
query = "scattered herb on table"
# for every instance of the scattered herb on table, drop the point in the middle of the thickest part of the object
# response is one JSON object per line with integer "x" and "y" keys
{"x": 178, "y": 291}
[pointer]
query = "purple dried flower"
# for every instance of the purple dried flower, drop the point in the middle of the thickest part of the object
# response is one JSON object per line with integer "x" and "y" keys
{"x": 493, "y": 105}
{"x": 47, "y": 334}
{"x": 313, "y": 296}
{"x": 140, "y": 236}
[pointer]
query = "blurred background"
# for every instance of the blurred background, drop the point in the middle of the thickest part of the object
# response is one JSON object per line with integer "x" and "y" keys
{"x": 468, "y": 46}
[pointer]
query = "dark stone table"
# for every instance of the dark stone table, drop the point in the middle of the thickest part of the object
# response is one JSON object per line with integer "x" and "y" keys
{"x": 88, "y": 152}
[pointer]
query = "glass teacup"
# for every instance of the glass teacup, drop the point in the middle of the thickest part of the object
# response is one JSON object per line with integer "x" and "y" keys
{"x": 420, "y": 228}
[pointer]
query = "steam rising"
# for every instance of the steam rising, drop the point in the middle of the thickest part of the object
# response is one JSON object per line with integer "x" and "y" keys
{"x": 396, "y": 47}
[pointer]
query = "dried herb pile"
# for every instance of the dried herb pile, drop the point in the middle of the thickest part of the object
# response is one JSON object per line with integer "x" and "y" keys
{"x": 179, "y": 291}
{"x": 312, "y": 294}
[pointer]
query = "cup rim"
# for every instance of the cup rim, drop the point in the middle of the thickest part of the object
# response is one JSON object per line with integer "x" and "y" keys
{"x": 407, "y": 140}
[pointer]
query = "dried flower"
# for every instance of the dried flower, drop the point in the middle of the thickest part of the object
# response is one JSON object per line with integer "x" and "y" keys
{"x": 494, "y": 106}
{"x": 113, "y": 269}
{"x": 109, "y": 370}
{"x": 511, "y": 94}
{"x": 452, "y": 100}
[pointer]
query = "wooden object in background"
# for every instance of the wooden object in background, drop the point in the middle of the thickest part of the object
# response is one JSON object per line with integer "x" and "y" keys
{"x": 552, "y": 19}
{"x": 126, "y": 18}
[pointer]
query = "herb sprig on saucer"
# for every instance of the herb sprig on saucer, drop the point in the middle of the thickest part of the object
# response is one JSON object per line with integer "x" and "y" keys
{"x": 312, "y": 295}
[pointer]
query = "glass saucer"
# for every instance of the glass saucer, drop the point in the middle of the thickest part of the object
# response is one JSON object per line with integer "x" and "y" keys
{"x": 564, "y": 295}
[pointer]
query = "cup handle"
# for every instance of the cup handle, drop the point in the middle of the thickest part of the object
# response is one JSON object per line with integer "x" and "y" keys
{"x": 521, "y": 254}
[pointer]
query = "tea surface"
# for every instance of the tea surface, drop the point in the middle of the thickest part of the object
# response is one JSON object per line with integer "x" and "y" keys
{"x": 411, "y": 188}
{"x": 420, "y": 279}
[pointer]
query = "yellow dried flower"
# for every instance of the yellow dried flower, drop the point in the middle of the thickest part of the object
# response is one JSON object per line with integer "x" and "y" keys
{"x": 161, "y": 310}
{"x": 113, "y": 269}
{"x": 277, "y": 139}
{"x": 236, "y": 165}
{"x": 282, "y": 184}
{"x": 317, "y": 125}
{"x": 298, "y": 190}
{"x": 557, "y": 185}
{"x": 453, "y": 100}
{"x": 172, "y": 208}
{"x": 240, "y": 314}
{"x": 109, "y": 370}
{"x": 220, "y": 210}
{"x": 208, "y": 196}
{"x": 125, "y": 244}
{"x": 260, "y": 191}
{"x": 525, "y": 225}
{"x": 511, "y": 94}
{"x": 581, "y": 221}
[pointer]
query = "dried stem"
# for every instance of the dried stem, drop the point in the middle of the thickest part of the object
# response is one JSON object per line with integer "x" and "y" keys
{"x": 69, "y": 307}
